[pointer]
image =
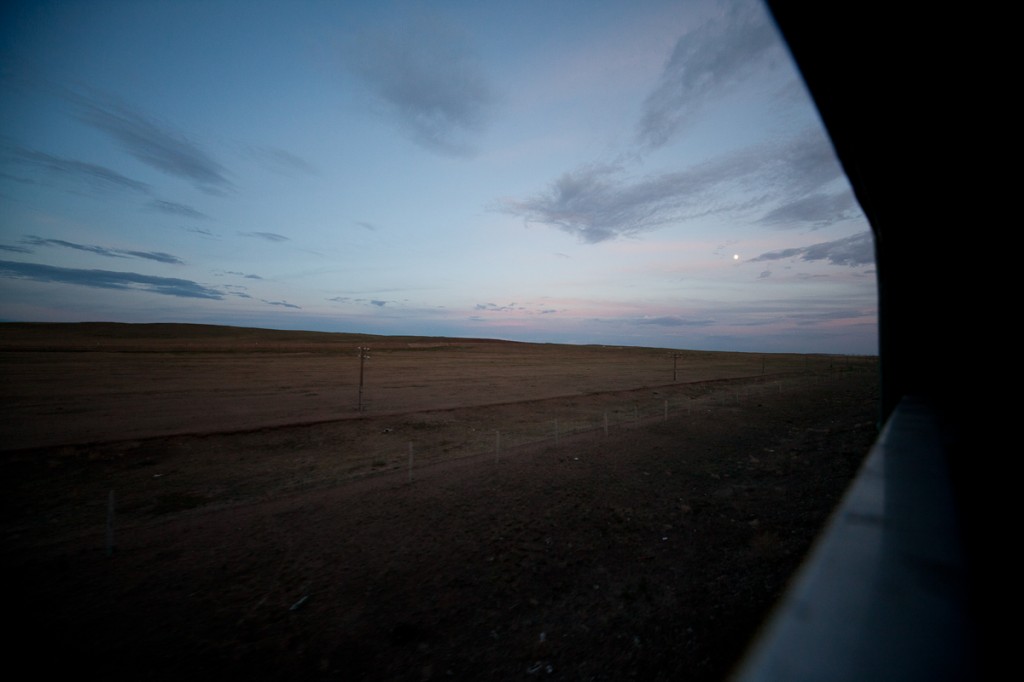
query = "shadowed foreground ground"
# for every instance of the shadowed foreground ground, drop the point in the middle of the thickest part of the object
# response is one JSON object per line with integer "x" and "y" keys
{"x": 653, "y": 552}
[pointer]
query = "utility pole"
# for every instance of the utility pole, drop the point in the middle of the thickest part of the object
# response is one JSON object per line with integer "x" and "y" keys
{"x": 364, "y": 352}
{"x": 675, "y": 358}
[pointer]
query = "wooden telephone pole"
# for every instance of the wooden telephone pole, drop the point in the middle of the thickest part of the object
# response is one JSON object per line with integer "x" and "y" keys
{"x": 364, "y": 352}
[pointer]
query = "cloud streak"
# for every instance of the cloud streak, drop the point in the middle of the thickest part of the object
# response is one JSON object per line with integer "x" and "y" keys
{"x": 853, "y": 251}
{"x": 819, "y": 209}
{"x": 707, "y": 62}
{"x": 497, "y": 308}
{"x": 268, "y": 236}
{"x": 158, "y": 256}
{"x": 601, "y": 202}
{"x": 282, "y": 161}
{"x": 429, "y": 80}
{"x": 96, "y": 176}
{"x": 156, "y": 145}
{"x": 176, "y": 209}
{"x": 107, "y": 279}
{"x": 674, "y": 321}
{"x": 283, "y": 304}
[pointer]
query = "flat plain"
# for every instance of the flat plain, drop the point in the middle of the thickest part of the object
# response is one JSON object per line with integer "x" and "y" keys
{"x": 185, "y": 500}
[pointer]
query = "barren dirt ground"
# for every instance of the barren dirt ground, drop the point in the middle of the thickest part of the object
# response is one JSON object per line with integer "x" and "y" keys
{"x": 181, "y": 503}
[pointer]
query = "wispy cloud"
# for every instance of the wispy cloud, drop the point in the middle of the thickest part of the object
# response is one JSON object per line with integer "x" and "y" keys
{"x": 15, "y": 249}
{"x": 108, "y": 252}
{"x": 283, "y": 304}
{"x": 852, "y": 251}
{"x": 153, "y": 143}
{"x": 601, "y": 202}
{"x": 201, "y": 231}
{"x": 236, "y": 290}
{"x": 269, "y": 236}
{"x": 820, "y": 210}
{"x": 95, "y": 176}
{"x": 429, "y": 79}
{"x": 176, "y": 209}
{"x": 674, "y": 321}
{"x": 282, "y": 161}
{"x": 106, "y": 279}
{"x": 820, "y": 316}
{"x": 709, "y": 61}
{"x": 497, "y": 308}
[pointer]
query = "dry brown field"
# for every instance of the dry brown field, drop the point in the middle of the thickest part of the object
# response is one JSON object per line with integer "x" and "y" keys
{"x": 184, "y": 500}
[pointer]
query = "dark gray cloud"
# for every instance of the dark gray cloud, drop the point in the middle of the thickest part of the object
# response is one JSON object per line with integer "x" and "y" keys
{"x": 601, "y": 202}
{"x": 242, "y": 274}
{"x": 428, "y": 78}
{"x": 856, "y": 250}
{"x": 176, "y": 209}
{"x": 781, "y": 254}
{"x": 108, "y": 252}
{"x": 269, "y": 236}
{"x": 853, "y": 251}
{"x": 15, "y": 249}
{"x": 709, "y": 61}
{"x": 153, "y": 143}
{"x": 106, "y": 279}
{"x": 90, "y": 174}
{"x": 283, "y": 304}
{"x": 379, "y": 303}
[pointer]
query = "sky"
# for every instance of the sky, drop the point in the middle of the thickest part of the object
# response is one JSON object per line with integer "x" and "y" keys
{"x": 647, "y": 173}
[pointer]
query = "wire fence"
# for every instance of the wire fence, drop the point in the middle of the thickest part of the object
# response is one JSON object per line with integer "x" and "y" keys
{"x": 406, "y": 446}
{"x": 498, "y": 432}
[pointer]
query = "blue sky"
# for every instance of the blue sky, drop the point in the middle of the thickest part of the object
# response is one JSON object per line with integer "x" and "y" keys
{"x": 637, "y": 173}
